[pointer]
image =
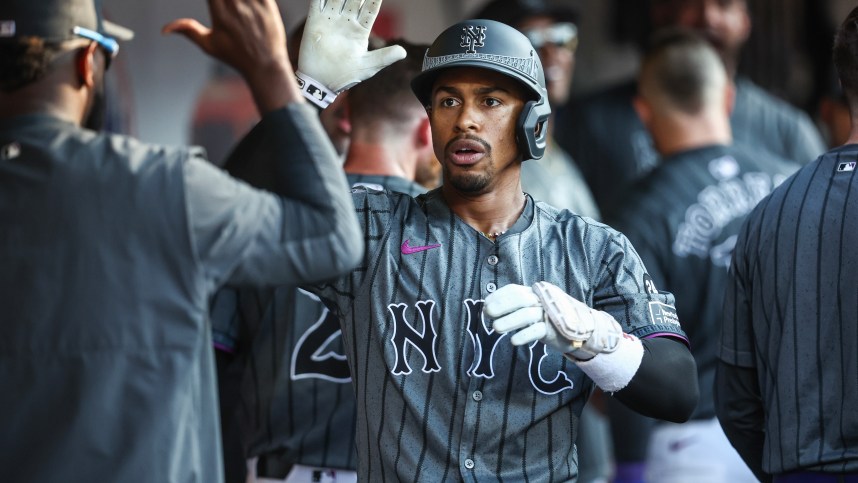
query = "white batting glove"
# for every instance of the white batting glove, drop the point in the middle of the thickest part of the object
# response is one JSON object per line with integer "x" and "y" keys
{"x": 546, "y": 313}
{"x": 334, "y": 54}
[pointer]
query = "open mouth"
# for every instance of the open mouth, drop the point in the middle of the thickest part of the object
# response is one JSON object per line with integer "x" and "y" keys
{"x": 465, "y": 151}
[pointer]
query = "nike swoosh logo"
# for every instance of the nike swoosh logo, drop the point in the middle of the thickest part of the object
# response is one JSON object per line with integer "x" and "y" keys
{"x": 408, "y": 249}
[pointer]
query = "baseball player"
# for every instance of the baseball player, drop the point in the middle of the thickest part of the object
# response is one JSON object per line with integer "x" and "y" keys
{"x": 480, "y": 319}
{"x": 296, "y": 414}
{"x": 683, "y": 219}
{"x": 785, "y": 386}
{"x": 111, "y": 247}
{"x": 602, "y": 132}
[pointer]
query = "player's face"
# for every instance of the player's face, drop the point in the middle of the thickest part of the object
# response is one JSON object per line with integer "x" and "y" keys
{"x": 556, "y": 43}
{"x": 725, "y": 23}
{"x": 473, "y": 114}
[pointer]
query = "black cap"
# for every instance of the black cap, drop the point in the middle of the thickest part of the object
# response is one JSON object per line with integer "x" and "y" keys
{"x": 55, "y": 20}
{"x": 511, "y": 12}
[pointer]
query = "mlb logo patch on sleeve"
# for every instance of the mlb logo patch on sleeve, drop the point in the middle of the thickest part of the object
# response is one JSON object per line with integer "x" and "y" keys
{"x": 663, "y": 314}
{"x": 845, "y": 167}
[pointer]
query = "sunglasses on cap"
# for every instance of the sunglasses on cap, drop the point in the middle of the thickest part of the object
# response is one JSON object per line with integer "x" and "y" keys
{"x": 110, "y": 46}
{"x": 562, "y": 34}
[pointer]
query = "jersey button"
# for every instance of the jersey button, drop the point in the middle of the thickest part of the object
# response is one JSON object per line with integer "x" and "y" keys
{"x": 478, "y": 396}
{"x": 469, "y": 464}
{"x": 491, "y": 287}
{"x": 493, "y": 260}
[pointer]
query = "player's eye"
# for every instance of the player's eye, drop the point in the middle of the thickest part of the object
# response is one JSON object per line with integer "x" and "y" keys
{"x": 492, "y": 101}
{"x": 449, "y": 102}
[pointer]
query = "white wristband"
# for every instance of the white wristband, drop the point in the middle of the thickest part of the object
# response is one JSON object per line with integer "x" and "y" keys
{"x": 612, "y": 371}
{"x": 315, "y": 91}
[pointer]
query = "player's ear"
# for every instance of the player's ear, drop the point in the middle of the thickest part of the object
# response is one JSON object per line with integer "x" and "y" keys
{"x": 423, "y": 133}
{"x": 85, "y": 65}
{"x": 643, "y": 109}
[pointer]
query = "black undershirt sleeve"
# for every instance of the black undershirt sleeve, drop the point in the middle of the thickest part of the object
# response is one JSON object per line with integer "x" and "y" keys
{"x": 665, "y": 385}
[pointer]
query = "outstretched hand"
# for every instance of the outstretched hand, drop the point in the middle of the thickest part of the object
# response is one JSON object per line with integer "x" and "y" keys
{"x": 249, "y": 36}
{"x": 334, "y": 48}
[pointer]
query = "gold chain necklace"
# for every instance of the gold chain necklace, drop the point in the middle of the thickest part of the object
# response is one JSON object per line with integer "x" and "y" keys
{"x": 493, "y": 235}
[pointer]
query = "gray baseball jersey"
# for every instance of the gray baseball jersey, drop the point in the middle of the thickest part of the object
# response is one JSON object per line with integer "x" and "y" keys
{"x": 790, "y": 313}
{"x": 441, "y": 396}
{"x": 683, "y": 219}
{"x": 297, "y": 404}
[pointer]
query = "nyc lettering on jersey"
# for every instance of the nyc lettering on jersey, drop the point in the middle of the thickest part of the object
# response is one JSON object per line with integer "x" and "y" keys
{"x": 406, "y": 338}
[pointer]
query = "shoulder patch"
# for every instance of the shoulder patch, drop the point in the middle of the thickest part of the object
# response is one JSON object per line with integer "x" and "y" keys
{"x": 663, "y": 314}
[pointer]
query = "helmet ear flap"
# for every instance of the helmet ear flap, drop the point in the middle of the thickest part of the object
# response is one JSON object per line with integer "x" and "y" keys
{"x": 531, "y": 129}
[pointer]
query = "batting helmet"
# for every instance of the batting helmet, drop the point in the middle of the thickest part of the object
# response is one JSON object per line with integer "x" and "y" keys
{"x": 495, "y": 46}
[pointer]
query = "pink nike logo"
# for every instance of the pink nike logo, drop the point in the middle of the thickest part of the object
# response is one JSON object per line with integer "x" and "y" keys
{"x": 408, "y": 249}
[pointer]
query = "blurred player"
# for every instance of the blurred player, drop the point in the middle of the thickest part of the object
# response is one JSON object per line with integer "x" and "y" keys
{"x": 605, "y": 136}
{"x": 683, "y": 218}
{"x": 785, "y": 387}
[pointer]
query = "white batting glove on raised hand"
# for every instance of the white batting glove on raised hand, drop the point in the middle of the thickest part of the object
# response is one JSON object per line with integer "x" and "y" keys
{"x": 546, "y": 313}
{"x": 334, "y": 54}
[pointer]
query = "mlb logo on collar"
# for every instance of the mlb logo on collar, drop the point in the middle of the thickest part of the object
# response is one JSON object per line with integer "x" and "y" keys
{"x": 846, "y": 167}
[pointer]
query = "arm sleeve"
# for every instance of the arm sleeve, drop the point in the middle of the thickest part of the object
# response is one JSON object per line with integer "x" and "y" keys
{"x": 303, "y": 229}
{"x": 739, "y": 407}
{"x": 665, "y": 385}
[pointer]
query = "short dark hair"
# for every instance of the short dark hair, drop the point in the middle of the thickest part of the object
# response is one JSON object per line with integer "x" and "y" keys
{"x": 845, "y": 55}
{"x": 681, "y": 66}
{"x": 24, "y": 60}
{"x": 387, "y": 95}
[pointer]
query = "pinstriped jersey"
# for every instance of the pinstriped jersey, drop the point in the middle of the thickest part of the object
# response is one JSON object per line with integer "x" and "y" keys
{"x": 683, "y": 219}
{"x": 440, "y": 395}
{"x": 297, "y": 400}
{"x": 790, "y": 312}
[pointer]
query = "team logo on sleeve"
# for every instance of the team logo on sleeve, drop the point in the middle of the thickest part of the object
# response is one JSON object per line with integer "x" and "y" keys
{"x": 663, "y": 314}
{"x": 846, "y": 167}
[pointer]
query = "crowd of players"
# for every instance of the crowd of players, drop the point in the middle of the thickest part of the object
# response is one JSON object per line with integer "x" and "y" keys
{"x": 167, "y": 322}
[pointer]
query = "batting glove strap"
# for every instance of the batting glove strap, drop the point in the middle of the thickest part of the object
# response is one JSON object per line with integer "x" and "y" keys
{"x": 612, "y": 371}
{"x": 315, "y": 91}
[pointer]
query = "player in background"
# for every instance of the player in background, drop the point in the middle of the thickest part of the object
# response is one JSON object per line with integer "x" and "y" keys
{"x": 289, "y": 405}
{"x": 604, "y": 135}
{"x": 555, "y": 178}
{"x": 785, "y": 386}
{"x": 683, "y": 218}
{"x": 440, "y": 393}
{"x": 111, "y": 247}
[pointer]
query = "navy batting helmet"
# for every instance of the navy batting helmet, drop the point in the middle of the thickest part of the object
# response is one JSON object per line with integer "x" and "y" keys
{"x": 495, "y": 46}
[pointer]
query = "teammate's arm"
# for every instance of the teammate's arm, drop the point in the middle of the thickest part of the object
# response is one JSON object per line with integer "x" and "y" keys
{"x": 739, "y": 407}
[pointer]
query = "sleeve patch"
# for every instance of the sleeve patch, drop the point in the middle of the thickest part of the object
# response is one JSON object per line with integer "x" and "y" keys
{"x": 663, "y": 314}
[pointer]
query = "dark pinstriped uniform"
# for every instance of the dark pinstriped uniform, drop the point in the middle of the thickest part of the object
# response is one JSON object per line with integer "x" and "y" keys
{"x": 440, "y": 396}
{"x": 297, "y": 401}
{"x": 791, "y": 313}
{"x": 683, "y": 219}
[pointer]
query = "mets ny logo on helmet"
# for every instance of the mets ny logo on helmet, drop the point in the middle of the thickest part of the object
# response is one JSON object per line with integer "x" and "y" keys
{"x": 474, "y": 36}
